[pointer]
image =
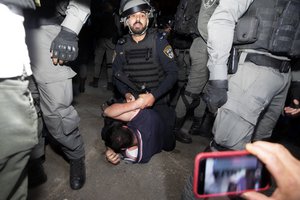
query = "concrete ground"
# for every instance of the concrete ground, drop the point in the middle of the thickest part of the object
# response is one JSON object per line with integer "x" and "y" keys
{"x": 163, "y": 178}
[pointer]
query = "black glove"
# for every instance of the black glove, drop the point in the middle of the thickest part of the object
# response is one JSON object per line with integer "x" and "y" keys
{"x": 65, "y": 45}
{"x": 215, "y": 94}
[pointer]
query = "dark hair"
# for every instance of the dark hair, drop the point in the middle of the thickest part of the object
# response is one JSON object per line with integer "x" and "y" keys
{"x": 119, "y": 137}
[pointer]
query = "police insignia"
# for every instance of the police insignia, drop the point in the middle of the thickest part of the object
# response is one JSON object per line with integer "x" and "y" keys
{"x": 208, "y": 3}
{"x": 169, "y": 52}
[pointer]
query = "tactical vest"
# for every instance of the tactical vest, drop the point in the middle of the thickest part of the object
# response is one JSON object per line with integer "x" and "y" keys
{"x": 140, "y": 61}
{"x": 207, "y": 9}
{"x": 271, "y": 26}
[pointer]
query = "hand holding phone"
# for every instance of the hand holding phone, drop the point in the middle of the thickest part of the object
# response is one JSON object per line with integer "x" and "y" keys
{"x": 228, "y": 173}
{"x": 284, "y": 167}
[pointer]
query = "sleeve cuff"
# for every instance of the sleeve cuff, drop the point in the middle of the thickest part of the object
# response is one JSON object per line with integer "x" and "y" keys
{"x": 73, "y": 23}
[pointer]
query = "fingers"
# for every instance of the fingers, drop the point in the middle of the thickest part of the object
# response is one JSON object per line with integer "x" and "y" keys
{"x": 291, "y": 111}
{"x": 275, "y": 156}
{"x": 55, "y": 60}
{"x": 254, "y": 196}
{"x": 141, "y": 102}
{"x": 148, "y": 99}
{"x": 112, "y": 157}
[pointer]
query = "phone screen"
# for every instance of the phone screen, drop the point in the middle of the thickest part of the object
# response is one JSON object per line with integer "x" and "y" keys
{"x": 231, "y": 175}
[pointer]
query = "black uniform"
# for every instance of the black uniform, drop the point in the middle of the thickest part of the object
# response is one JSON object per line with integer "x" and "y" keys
{"x": 148, "y": 63}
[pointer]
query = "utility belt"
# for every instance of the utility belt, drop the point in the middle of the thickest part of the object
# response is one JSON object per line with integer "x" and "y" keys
{"x": 283, "y": 66}
{"x": 20, "y": 78}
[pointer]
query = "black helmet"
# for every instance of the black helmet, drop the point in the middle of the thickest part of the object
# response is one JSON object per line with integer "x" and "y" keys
{"x": 129, "y": 7}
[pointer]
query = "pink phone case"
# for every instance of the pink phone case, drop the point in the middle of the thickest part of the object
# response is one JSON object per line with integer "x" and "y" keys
{"x": 204, "y": 155}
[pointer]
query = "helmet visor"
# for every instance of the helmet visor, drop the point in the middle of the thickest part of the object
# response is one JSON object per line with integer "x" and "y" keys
{"x": 135, "y": 9}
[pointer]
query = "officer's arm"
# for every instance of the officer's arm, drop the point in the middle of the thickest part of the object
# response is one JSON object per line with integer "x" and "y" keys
{"x": 167, "y": 60}
{"x": 220, "y": 38}
{"x": 64, "y": 47}
{"x": 117, "y": 65}
{"x": 220, "y": 35}
{"x": 77, "y": 14}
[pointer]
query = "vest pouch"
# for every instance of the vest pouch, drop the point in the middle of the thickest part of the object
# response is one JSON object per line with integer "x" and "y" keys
{"x": 139, "y": 56}
{"x": 295, "y": 49}
{"x": 246, "y": 30}
{"x": 233, "y": 61}
{"x": 283, "y": 41}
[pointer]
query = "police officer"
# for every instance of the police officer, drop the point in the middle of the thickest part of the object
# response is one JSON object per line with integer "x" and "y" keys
{"x": 106, "y": 38}
{"x": 189, "y": 99}
{"x": 252, "y": 99}
{"x": 249, "y": 102}
{"x": 147, "y": 60}
{"x": 18, "y": 117}
{"x": 52, "y": 40}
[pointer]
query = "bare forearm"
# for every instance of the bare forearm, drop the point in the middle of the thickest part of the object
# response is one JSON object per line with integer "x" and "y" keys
{"x": 118, "y": 109}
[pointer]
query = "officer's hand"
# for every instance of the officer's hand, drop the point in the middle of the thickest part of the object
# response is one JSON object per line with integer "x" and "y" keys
{"x": 215, "y": 94}
{"x": 64, "y": 47}
{"x": 112, "y": 156}
{"x": 284, "y": 167}
{"x": 148, "y": 99}
{"x": 293, "y": 110}
{"x": 129, "y": 97}
{"x": 140, "y": 103}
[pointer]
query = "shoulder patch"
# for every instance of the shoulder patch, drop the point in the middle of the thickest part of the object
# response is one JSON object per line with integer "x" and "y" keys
{"x": 168, "y": 51}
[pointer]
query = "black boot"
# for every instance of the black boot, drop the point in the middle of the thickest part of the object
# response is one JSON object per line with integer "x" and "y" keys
{"x": 82, "y": 85}
{"x": 196, "y": 125}
{"x": 94, "y": 83}
{"x": 77, "y": 173}
{"x": 180, "y": 135}
{"x": 36, "y": 173}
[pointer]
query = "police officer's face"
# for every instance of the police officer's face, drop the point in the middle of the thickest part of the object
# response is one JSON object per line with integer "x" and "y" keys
{"x": 138, "y": 22}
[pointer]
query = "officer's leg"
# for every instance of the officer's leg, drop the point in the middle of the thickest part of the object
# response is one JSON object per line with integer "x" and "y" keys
{"x": 202, "y": 121}
{"x": 62, "y": 121}
{"x": 83, "y": 75}
{"x": 271, "y": 115}
{"x": 36, "y": 174}
{"x": 250, "y": 91}
{"x": 197, "y": 79}
{"x": 183, "y": 62}
{"x": 109, "y": 57}
{"x": 99, "y": 55}
{"x": 18, "y": 136}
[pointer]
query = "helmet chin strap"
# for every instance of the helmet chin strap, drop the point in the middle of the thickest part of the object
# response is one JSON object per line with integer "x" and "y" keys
{"x": 142, "y": 33}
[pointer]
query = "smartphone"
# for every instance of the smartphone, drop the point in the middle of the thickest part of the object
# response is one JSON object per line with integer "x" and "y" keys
{"x": 228, "y": 173}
